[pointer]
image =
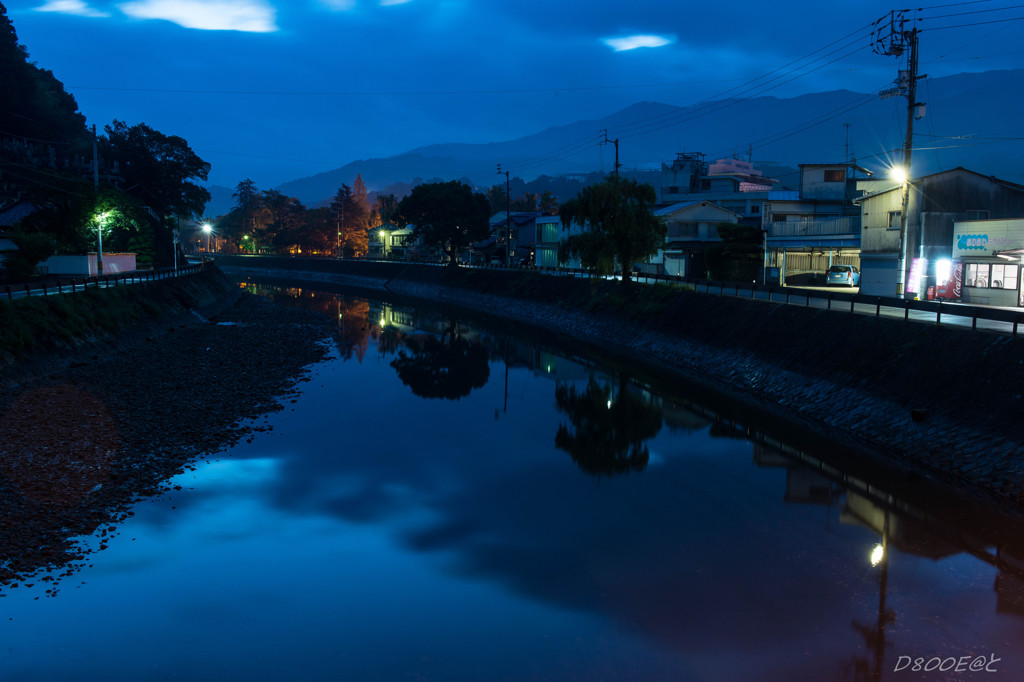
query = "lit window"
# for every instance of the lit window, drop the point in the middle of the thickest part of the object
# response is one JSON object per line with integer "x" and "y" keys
{"x": 1004, "y": 277}
{"x": 976, "y": 275}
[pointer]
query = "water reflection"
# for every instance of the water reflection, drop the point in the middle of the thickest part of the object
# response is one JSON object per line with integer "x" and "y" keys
{"x": 473, "y": 548}
{"x": 609, "y": 429}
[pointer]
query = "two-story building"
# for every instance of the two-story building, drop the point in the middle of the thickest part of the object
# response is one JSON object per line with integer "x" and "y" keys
{"x": 808, "y": 231}
{"x": 935, "y": 203}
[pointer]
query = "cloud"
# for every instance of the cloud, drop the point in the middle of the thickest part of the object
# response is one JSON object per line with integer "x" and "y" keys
{"x": 254, "y": 16}
{"x": 340, "y": 5}
{"x": 385, "y": 3}
{"x": 77, "y": 7}
{"x": 633, "y": 42}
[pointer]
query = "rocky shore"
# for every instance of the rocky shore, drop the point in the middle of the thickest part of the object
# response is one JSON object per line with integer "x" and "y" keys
{"x": 89, "y": 432}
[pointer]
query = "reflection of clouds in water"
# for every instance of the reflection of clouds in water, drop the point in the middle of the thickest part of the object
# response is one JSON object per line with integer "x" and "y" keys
{"x": 231, "y": 473}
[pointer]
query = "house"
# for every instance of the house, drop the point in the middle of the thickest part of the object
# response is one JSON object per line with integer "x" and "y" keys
{"x": 691, "y": 227}
{"x": 391, "y": 241}
{"x": 936, "y": 202}
{"x": 549, "y": 233}
{"x": 987, "y": 255}
{"x": 732, "y": 184}
{"x": 520, "y": 228}
{"x": 808, "y": 231}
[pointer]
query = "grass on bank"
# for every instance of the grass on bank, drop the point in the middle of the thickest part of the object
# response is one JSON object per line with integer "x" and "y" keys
{"x": 58, "y": 322}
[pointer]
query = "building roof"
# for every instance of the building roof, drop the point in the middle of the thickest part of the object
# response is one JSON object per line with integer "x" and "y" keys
{"x": 1005, "y": 183}
{"x": 675, "y": 208}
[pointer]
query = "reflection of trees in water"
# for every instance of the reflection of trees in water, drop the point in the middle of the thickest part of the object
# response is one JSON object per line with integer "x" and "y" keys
{"x": 609, "y": 431}
{"x": 449, "y": 367}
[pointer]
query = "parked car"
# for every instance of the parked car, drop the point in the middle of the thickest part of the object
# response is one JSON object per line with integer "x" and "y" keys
{"x": 846, "y": 275}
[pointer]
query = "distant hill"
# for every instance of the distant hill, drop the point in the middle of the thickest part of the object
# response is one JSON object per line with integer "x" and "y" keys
{"x": 962, "y": 112}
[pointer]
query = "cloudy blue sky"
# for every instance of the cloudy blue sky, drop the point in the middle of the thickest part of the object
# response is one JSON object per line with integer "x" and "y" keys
{"x": 274, "y": 90}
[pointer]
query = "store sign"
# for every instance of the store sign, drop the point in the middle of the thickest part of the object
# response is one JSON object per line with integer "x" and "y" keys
{"x": 972, "y": 242}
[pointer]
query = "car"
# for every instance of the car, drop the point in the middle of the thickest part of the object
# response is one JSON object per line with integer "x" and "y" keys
{"x": 843, "y": 274}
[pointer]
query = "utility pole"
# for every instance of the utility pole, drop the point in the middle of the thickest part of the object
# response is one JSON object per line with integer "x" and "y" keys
{"x": 893, "y": 40}
{"x": 616, "y": 143}
{"x": 96, "y": 192}
{"x": 508, "y": 216}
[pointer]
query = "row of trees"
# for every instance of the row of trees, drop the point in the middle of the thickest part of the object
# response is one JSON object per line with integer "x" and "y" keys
{"x": 267, "y": 221}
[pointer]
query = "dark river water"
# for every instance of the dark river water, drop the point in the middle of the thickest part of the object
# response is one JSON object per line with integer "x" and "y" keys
{"x": 444, "y": 501}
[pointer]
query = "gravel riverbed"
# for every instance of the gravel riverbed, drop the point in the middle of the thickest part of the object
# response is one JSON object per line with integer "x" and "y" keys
{"x": 82, "y": 442}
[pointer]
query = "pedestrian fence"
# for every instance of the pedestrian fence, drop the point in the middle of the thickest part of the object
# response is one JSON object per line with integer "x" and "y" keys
{"x": 73, "y": 285}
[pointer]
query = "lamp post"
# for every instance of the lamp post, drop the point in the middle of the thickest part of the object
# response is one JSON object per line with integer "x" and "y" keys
{"x": 99, "y": 242}
{"x": 207, "y": 228}
{"x": 100, "y": 219}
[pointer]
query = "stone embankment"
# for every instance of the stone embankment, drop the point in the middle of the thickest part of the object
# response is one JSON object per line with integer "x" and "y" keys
{"x": 942, "y": 400}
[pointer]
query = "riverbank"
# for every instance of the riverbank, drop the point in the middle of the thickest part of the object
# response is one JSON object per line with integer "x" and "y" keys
{"x": 940, "y": 400}
{"x": 90, "y": 423}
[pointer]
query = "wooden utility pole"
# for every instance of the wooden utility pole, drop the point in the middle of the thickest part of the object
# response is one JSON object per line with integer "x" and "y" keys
{"x": 893, "y": 40}
{"x": 616, "y": 143}
{"x": 508, "y": 216}
{"x": 96, "y": 191}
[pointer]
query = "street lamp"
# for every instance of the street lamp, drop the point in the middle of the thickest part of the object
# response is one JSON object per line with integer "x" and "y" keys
{"x": 207, "y": 228}
{"x": 100, "y": 219}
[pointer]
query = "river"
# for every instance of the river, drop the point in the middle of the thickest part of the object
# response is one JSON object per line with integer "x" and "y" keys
{"x": 448, "y": 501}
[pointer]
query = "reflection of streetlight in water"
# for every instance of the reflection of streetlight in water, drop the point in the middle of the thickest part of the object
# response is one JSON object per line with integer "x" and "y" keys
{"x": 874, "y": 636}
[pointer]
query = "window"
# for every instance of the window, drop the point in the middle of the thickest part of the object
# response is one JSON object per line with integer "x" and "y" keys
{"x": 835, "y": 176}
{"x": 778, "y": 217}
{"x": 976, "y": 275}
{"x": 895, "y": 218}
{"x": 978, "y": 215}
{"x": 755, "y": 209}
{"x": 1004, "y": 277}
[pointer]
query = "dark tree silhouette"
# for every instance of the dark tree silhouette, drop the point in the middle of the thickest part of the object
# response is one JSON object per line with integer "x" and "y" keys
{"x": 449, "y": 367}
{"x": 608, "y": 431}
{"x": 449, "y": 215}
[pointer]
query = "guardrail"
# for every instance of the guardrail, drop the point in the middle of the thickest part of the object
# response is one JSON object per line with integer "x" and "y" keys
{"x": 73, "y": 285}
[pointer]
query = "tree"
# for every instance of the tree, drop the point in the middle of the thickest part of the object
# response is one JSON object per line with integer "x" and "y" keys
{"x": 350, "y": 209}
{"x": 158, "y": 169}
{"x": 447, "y": 214}
{"x": 548, "y": 203}
{"x": 33, "y": 247}
{"x": 496, "y": 199}
{"x": 527, "y": 202}
{"x": 608, "y": 431}
{"x": 618, "y": 220}
{"x": 387, "y": 209}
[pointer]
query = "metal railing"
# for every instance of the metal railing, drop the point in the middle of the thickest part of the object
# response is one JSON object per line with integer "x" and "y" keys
{"x": 71, "y": 285}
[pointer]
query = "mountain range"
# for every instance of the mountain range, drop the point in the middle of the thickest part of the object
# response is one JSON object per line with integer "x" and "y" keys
{"x": 971, "y": 120}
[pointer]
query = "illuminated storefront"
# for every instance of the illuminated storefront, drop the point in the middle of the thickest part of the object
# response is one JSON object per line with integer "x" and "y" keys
{"x": 991, "y": 252}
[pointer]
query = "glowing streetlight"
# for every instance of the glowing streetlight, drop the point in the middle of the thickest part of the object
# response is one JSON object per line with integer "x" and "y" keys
{"x": 100, "y": 219}
{"x": 901, "y": 174}
{"x": 877, "y": 555}
{"x": 207, "y": 228}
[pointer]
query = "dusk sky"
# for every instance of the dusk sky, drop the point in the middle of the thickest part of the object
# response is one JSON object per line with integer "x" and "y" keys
{"x": 275, "y": 91}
